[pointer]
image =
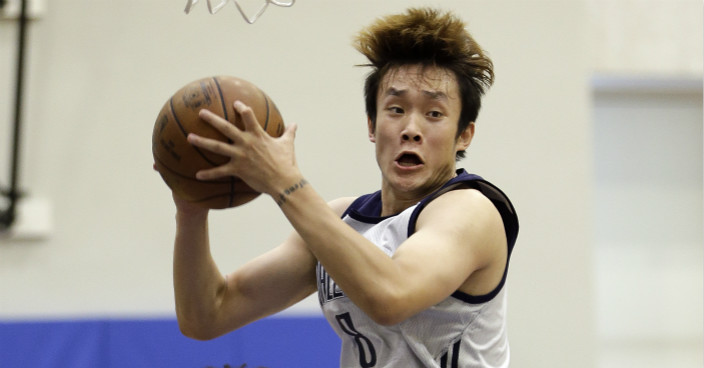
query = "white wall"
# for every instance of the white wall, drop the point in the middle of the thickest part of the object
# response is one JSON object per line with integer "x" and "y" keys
{"x": 647, "y": 116}
{"x": 100, "y": 71}
{"x": 646, "y": 37}
{"x": 648, "y": 226}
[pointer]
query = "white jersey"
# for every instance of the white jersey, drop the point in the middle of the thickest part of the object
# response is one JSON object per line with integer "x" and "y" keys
{"x": 461, "y": 331}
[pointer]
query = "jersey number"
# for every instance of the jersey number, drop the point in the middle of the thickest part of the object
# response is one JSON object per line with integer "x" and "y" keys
{"x": 363, "y": 343}
{"x": 453, "y": 356}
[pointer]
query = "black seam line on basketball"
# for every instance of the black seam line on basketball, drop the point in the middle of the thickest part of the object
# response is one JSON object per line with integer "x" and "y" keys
{"x": 231, "y": 194}
{"x": 266, "y": 102}
{"x": 178, "y": 122}
{"x": 210, "y": 198}
{"x": 222, "y": 98}
{"x": 185, "y": 134}
{"x": 222, "y": 102}
{"x": 187, "y": 177}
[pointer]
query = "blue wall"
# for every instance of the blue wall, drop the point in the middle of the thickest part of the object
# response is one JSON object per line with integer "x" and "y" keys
{"x": 275, "y": 342}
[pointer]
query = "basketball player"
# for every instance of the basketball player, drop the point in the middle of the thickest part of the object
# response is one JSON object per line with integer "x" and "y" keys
{"x": 409, "y": 276}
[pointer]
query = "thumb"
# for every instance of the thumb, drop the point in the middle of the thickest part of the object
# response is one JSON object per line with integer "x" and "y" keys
{"x": 290, "y": 131}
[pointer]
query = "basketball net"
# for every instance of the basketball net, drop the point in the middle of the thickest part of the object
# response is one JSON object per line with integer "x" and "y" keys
{"x": 214, "y": 6}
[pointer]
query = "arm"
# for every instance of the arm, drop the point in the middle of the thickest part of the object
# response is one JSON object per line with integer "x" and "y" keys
{"x": 209, "y": 304}
{"x": 457, "y": 235}
{"x": 450, "y": 245}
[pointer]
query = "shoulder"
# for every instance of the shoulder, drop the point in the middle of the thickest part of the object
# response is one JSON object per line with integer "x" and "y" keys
{"x": 464, "y": 204}
{"x": 339, "y": 205}
{"x": 472, "y": 198}
{"x": 466, "y": 229}
{"x": 463, "y": 214}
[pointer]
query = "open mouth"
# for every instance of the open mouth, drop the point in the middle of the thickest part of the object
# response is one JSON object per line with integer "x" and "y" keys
{"x": 408, "y": 160}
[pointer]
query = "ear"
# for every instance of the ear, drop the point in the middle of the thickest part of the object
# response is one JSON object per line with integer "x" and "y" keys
{"x": 370, "y": 127}
{"x": 465, "y": 138}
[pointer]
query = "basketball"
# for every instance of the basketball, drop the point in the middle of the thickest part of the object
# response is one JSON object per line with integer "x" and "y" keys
{"x": 177, "y": 161}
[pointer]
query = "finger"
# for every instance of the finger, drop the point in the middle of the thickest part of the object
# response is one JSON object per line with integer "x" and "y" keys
{"x": 251, "y": 124}
{"x": 291, "y": 130}
{"x": 212, "y": 145}
{"x": 223, "y": 126}
{"x": 214, "y": 173}
{"x": 290, "y": 133}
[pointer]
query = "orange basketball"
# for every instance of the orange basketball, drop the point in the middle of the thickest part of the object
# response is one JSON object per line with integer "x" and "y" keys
{"x": 178, "y": 161}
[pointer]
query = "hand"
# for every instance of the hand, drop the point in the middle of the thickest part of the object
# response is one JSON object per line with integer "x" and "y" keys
{"x": 183, "y": 206}
{"x": 265, "y": 163}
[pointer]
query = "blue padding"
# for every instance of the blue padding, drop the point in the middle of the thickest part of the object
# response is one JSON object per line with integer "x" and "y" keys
{"x": 53, "y": 344}
{"x": 277, "y": 342}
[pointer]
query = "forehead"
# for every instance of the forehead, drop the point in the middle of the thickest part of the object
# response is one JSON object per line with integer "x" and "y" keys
{"x": 421, "y": 78}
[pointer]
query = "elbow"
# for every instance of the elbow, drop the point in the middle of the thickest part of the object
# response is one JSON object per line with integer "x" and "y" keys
{"x": 386, "y": 319}
{"x": 193, "y": 332}
{"x": 196, "y": 331}
{"x": 387, "y": 311}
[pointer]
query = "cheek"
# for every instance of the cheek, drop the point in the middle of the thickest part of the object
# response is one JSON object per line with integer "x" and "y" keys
{"x": 443, "y": 143}
{"x": 382, "y": 136}
{"x": 382, "y": 148}
{"x": 441, "y": 139}
{"x": 383, "y": 144}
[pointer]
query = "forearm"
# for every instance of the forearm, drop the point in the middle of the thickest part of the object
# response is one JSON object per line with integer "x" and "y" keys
{"x": 198, "y": 284}
{"x": 364, "y": 272}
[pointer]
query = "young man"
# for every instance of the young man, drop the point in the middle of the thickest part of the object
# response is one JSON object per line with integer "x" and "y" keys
{"x": 410, "y": 276}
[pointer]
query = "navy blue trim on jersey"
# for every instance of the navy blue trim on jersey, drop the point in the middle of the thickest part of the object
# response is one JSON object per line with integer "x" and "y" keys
{"x": 367, "y": 209}
{"x": 464, "y": 180}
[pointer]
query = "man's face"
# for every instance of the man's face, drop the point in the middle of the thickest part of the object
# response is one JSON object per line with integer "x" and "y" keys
{"x": 416, "y": 128}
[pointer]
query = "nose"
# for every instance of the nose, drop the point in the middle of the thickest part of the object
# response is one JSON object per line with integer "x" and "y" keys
{"x": 411, "y": 131}
{"x": 407, "y": 137}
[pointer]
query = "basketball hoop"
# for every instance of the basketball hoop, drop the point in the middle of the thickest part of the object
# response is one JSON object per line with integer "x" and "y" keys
{"x": 214, "y": 6}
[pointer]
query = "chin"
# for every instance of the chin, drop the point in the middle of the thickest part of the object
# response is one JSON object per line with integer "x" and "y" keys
{"x": 409, "y": 183}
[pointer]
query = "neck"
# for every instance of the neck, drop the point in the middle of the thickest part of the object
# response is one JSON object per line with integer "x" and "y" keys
{"x": 391, "y": 205}
{"x": 394, "y": 201}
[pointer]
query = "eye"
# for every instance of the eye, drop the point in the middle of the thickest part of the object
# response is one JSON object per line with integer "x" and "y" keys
{"x": 435, "y": 114}
{"x": 395, "y": 110}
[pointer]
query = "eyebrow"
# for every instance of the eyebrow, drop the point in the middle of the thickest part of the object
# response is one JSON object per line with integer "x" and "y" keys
{"x": 435, "y": 95}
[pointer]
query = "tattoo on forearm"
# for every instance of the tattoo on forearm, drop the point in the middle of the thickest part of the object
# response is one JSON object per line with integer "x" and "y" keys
{"x": 288, "y": 191}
